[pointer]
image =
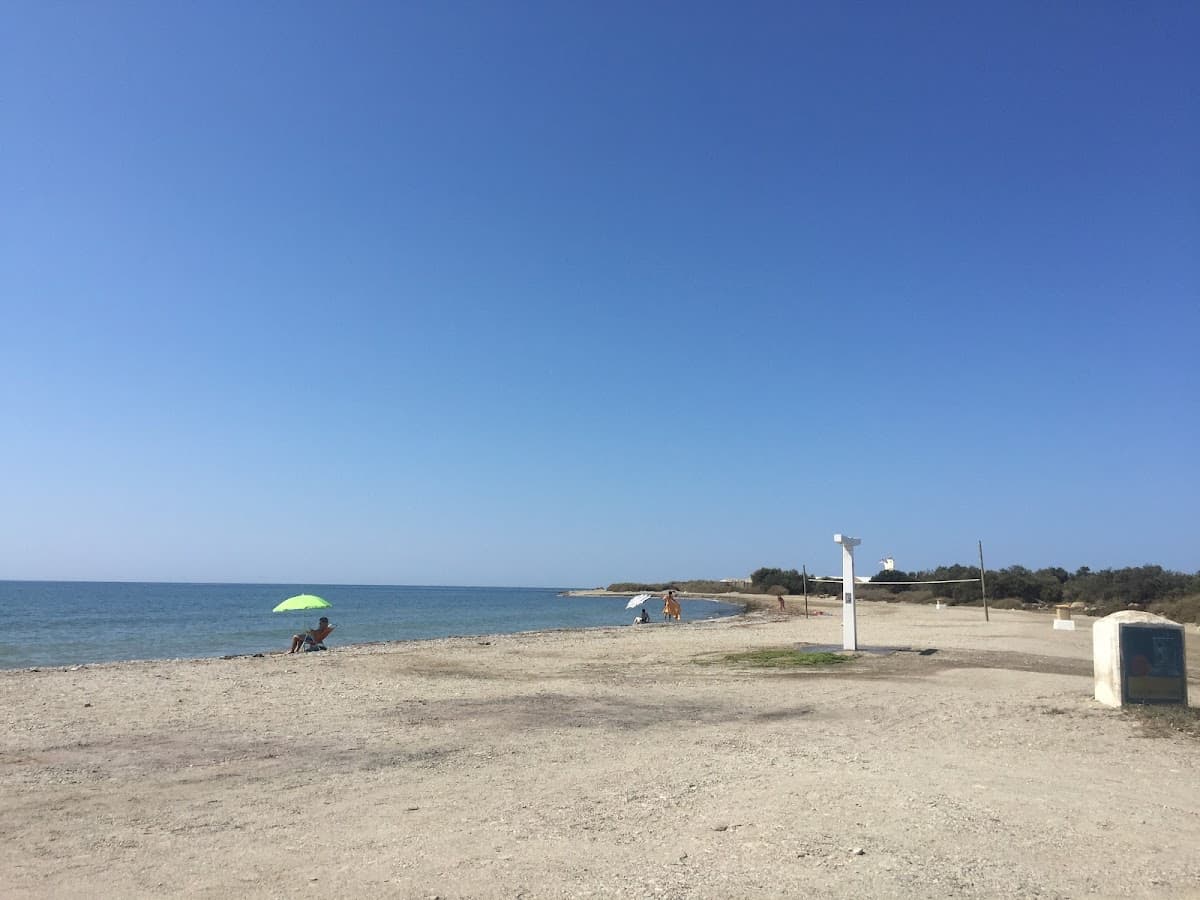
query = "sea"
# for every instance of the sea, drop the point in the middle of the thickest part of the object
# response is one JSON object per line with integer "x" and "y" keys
{"x": 65, "y": 623}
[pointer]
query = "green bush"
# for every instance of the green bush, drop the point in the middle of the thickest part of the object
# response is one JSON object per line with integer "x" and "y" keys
{"x": 637, "y": 587}
{"x": 1172, "y": 594}
{"x": 761, "y": 579}
{"x": 1183, "y": 610}
{"x": 910, "y": 595}
{"x": 698, "y": 586}
{"x": 707, "y": 587}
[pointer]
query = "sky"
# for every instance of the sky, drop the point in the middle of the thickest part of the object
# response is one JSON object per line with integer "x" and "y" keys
{"x": 564, "y": 294}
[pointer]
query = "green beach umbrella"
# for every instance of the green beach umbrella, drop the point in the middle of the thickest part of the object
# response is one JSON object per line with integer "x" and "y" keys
{"x": 301, "y": 601}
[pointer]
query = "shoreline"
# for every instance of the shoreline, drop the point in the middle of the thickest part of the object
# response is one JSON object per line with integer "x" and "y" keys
{"x": 751, "y": 605}
{"x": 344, "y": 646}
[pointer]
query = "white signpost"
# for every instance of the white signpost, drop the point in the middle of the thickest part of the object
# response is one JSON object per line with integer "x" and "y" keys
{"x": 849, "y": 626}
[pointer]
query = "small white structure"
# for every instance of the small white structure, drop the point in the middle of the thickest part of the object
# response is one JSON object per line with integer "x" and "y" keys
{"x": 1138, "y": 657}
{"x": 849, "y": 625}
{"x": 889, "y": 564}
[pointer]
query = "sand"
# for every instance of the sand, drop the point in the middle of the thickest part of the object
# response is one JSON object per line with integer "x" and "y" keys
{"x": 603, "y": 763}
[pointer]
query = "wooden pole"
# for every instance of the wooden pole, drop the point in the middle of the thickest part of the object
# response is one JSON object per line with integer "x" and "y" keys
{"x": 804, "y": 569}
{"x": 983, "y": 585}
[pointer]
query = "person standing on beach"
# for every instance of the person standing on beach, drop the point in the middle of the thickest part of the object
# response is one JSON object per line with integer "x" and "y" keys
{"x": 671, "y": 608}
{"x": 781, "y": 606}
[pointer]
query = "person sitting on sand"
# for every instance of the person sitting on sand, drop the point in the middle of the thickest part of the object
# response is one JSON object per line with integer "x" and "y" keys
{"x": 313, "y": 636}
{"x": 643, "y": 619}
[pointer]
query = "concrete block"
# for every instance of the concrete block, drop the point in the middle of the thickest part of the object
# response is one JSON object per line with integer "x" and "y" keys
{"x": 1138, "y": 657}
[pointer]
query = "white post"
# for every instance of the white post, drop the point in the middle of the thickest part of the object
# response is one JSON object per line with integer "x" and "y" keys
{"x": 849, "y": 625}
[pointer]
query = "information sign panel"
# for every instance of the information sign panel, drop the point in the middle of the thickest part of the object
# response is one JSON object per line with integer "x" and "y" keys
{"x": 1152, "y": 664}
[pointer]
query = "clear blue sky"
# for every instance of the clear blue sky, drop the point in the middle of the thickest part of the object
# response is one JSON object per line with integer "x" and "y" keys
{"x": 566, "y": 293}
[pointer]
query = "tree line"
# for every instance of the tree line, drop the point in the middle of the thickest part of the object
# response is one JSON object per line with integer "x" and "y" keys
{"x": 1106, "y": 590}
{"x": 1175, "y": 595}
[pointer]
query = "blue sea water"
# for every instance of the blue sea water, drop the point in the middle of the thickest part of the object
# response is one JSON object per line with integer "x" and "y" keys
{"x": 51, "y": 623}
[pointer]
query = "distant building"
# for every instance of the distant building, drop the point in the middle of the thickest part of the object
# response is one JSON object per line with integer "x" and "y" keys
{"x": 889, "y": 564}
{"x": 736, "y": 582}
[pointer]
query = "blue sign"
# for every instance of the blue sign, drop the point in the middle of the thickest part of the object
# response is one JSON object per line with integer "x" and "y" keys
{"x": 1152, "y": 664}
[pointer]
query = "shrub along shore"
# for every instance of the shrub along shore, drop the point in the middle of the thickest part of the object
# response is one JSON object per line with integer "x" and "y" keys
{"x": 1175, "y": 595}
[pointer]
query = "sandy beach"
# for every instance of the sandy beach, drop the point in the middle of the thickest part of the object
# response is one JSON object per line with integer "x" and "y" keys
{"x": 622, "y": 762}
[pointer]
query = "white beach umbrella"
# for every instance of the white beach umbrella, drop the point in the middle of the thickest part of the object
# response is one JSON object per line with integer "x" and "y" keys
{"x": 638, "y": 600}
